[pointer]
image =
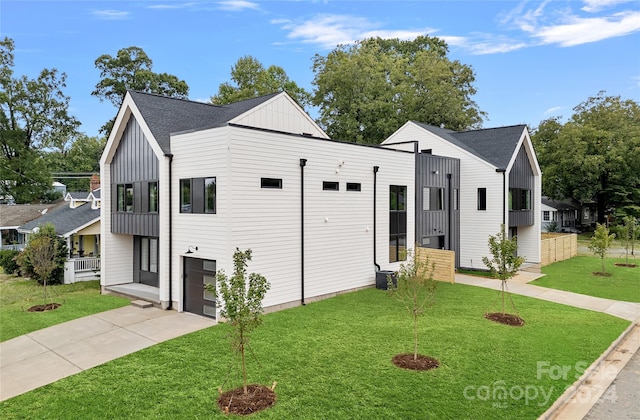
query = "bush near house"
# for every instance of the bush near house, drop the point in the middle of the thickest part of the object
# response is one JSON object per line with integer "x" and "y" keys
{"x": 8, "y": 261}
{"x": 25, "y": 260}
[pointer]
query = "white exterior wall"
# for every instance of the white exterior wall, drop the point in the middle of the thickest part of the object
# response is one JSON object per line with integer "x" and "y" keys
{"x": 553, "y": 216}
{"x": 475, "y": 225}
{"x": 529, "y": 237}
{"x": 281, "y": 114}
{"x": 116, "y": 251}
{"x": 338, "y": 224}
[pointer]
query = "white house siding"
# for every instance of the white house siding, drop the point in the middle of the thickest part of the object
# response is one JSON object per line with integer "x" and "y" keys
{"x": 529, "y": 238}
{"x": 553, "y": 216}
{"x": 119, "y": 248}
{"x": 338, "y": 225}
{"x": 475, "y": 225}
{"x": 201, "y": 154}
{"x": 282, "y": 114}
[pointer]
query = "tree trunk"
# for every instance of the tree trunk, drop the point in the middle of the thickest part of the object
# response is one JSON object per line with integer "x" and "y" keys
{"x": 244, "y": 365}
{"x": 502, "y": 287}
{"x": 415, "y": 335}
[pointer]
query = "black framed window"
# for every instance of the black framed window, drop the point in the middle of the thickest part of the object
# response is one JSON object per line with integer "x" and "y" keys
{"x": 354, "y": 186}
{"x": 125, "y": 197}
{"x": 519, "y": 199}
{"x": 185, "y": 196}
{"x": 275, "y": 183}
{"x": 330, "y": 186}
{"x": 153, "y": 197}
{"x": 482, "y": 198}
{"x": 209, "y": 195}
{"x": 149, "y": 255}
{"x": 432, "y": 199}
{"x": 397, "y": 223}
{"x": 456, "y": 199}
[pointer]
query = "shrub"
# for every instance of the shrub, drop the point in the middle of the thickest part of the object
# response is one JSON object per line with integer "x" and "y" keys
{"x": 8, "y": 261}
{"x": 26, "y": 258}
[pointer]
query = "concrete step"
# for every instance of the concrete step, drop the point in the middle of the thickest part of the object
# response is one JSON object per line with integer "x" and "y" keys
{"x": 141, "y": 304}
{"x": 531, "y": 268}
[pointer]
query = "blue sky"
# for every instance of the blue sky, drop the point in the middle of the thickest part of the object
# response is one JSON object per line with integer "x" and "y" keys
{"x": 532, "y": 59}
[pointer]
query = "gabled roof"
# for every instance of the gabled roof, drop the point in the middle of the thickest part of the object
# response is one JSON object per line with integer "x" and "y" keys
{"x": 65, "y": 219}
{"x": 558, "y": 204}
{"x": 494, "y": 145}
{"x": 76, "y": 195}
{"x": 165, "y": 115}
{"x": 19, "y": 214}
{"x": 95, "y": 193}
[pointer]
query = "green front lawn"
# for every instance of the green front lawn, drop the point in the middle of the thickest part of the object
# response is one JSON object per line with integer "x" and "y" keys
{"x": 332, "y": 360}
{"x": 77, "y": 299}
{"x": 576, "y": 275}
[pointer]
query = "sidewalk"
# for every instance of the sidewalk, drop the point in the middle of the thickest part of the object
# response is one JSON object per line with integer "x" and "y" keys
{"x": 42, "y": 357}
{"x": 591, "y": 388}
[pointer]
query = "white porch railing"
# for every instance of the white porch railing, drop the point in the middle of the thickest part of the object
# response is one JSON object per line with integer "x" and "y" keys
{"x": 80, "y": 269}
{"x": 13, "y": 247}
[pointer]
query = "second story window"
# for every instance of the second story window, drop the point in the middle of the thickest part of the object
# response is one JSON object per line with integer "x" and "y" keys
{"x": 185, "y": 196}
{"x": 153, "y": 197}
{"x": 125, "y": 198}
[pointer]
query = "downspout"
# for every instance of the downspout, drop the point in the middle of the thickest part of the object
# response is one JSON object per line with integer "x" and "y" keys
{"x": 170, "y": 234}
{"x": 449, "y": 213}
{"x": 375, "y": 188}
{"x": 504, "y": 196}
{"x": 303, "y": 163}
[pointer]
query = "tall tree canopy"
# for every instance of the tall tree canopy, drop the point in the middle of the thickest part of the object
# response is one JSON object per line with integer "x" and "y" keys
{"x": 82, "y": 156}
{"x": 34, "y": 117}
{"x": 252, "y": 80}
{"x": 367, "y": 90}
{"x": 595, "y": 155}
{"x": 131, "y": 69}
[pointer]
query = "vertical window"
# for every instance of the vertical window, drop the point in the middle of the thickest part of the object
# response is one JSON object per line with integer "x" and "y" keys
{"x": 426, "y": 199}
{"x": 397, "y": 223}
{"x": 439, "y": 199}
{"x": 149, "y": 254}
{"x": 209, "y": 195}
{"x": 153, "y": 197}
{"x": 185, "y": 196}
{"x": 482, "y": 198}
{"x": 545, "y": 215}
{"x": 456, "y": 199}
{"x": 144, "y": 254}
{"x": 125, "y": 197}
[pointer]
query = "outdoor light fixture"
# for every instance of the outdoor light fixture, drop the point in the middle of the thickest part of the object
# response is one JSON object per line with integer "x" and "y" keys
{"x": 191, "y": 249}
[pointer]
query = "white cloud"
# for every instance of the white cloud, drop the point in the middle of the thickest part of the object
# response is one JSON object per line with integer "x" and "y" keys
{"x": 111, "y": 14}
{"x": 554, "y": 110}
{"x": 170, "y": 6}
{"x": 238, "y": 5}
{"x": 576, "y": 30}
{"x": 597, "y": 5}
{"x": 329, "y": 31}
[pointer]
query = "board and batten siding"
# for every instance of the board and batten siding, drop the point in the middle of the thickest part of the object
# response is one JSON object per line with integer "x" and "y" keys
{"x": 521, "y": 176}
{"x": 475, "y": 225}
{"x": 134, "y": 163}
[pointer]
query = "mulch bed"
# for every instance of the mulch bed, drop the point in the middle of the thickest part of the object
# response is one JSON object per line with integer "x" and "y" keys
{"x": 626, "y": 265}
{"x": 507, "y": 319}
{"x": 406, "y": 361}
{"x": 257, "y": 398}
{"x": 601, "y": 274}
{"x": 44, "y": 308}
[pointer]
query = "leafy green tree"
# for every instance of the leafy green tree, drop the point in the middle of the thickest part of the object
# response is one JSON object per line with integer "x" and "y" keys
{"x": 594, "y": 156}
{"x": 242, "y": 296}
{"x": 34, "y": 117}
{"x": 44, "y": 256}
{"x": 600, "y": 243}
{"x": 627, "y": 232}
{"x": 130, "y": 69}
{"x": 367, "y": 90}
{"x": 415, "y": 290}
{"x": 505, "y": 262}
{"x": 83, "y": 155}
{"x": 251, "y": 80}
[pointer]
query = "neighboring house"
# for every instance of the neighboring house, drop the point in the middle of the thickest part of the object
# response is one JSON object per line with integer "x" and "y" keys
{"x": 500, "y": 183}
{"x": 184, "y": 183}
{"x": 564, "y": 214}
{"x": 79, "y": 223}
{"x": 13, "y": 216}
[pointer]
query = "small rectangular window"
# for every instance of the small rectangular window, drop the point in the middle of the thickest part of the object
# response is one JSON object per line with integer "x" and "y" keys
{"x": 209, "y": 195}
{"x": 545, "y": 215}
{"x": 439, "y": 199}
{"x": 185, "y": 196}
{"x": 153, "y": 197}
{"x": 353, "y": 186}
{"x": 128, "y": 200}
{"x": 120, "y": 195}
{"x": 482, "y": 198}
{"x": 330, "y": 186}
{"x": 426, "y": 199}
{"x": 275, "y": 183}
{"x": 456, "y": 199}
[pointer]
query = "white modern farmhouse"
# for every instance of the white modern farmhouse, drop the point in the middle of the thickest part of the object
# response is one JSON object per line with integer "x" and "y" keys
{"x": 185, "y": 183}
{"x": 499, "y": 183}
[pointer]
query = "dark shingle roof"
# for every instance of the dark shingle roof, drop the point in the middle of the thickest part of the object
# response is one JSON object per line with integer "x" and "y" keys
{"x": 494, "y": 145}
{"x": 165, "y": 115}
{"x": 66, "y": 219}
{"x": 19, "y": 214}
{"x": 559, "y": 205}
{"x": 78, "y": 195}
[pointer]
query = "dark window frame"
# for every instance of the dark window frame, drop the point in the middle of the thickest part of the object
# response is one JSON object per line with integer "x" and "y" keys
{"x": 330, "y": 186}
{"x": 152, "y": 197}
{"x": 186, "y": 206}
{"x": 125, "y": 198}
{"x": 271, "y": 183}
{"x": 482, "y": 199}
{"x": 354, "y": 186}
{"x": 210, "y": 195}
{"x": 147, "y": 263}
{"x": 397, "y": 222}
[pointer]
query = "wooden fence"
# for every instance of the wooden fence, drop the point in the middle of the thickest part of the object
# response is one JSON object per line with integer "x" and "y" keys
{"x": 558, "y": 247}
{"x": 445, "y": 262}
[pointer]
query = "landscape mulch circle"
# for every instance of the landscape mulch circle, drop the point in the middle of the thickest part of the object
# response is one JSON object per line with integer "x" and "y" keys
{"x": 406, "y": 361}
{"x": 507, "y": 319}
{"x": 257, "y": 398}
{"x": 44, "y": 308}
{"x": 626, "y": 265}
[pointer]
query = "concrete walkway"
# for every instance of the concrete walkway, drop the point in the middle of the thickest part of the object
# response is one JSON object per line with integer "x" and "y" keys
{"x": 42, "y": 357}
{"x": 594, "y": 387}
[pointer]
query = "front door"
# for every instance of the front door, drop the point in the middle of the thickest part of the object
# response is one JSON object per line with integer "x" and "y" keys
{"x": 197, "y": 299}
{"x": 146, "y": 260}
